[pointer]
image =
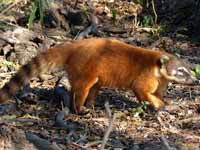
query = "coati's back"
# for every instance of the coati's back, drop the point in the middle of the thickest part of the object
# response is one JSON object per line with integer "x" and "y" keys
{"x": 93, "y": 63}
{"x": 115, "y": 63}
{"x": 119, "y": 64}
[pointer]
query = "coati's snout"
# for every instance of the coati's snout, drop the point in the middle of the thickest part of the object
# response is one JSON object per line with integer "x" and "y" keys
{"x": 177, "y": 71}
{"x": 185, "y": 75}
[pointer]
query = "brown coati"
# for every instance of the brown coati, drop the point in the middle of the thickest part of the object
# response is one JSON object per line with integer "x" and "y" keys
{"x": 100, "y": 62}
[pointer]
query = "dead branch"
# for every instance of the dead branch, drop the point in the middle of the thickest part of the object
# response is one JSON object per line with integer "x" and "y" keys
{"x": 88, "y": 145}
{"x": 41, "y": 143}
{"x": 109, "y": 129}
{"x": 86, "y": 32}
{"x": 93, "y": 27}
{"x": 154, "y": 11}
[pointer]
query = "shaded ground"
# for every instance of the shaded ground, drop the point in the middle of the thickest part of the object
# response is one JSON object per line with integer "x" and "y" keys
{"x": 37, "y": 110}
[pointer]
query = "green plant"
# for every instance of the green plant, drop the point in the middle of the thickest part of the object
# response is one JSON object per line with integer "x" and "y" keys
{"x": 181, "y": 32}
{"x": 39, "y": 5}
{"x": 175, "y": 50}
{"x": 142, "y": 2}
{"x": 140, "y": 110}
{"x": 157, "y": 30}
{"x": 196, "y": 71}
{"x": 3, "y": 25}
{"x": 147, "y": 4}
{"x": 114, "y": 14}
{"x": 147, "y": 21}
{"x": 85, "y": 9}
{"x": 10, "y": 65}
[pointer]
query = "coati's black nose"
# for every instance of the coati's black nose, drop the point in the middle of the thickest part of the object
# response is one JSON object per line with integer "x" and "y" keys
{"x": 192, "y": 80}
{"x": 195, "y": 80}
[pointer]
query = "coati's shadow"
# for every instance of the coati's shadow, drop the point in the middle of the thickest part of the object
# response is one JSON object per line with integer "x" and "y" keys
{"x": 118, "y": 99}
{"x": 57, "y": 96}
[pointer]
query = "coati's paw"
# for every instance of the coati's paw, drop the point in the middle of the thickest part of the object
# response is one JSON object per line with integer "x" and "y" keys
{"x": 159, "y": 105}
{"x": 80, "y": 110}
{"x": 89, "y": 105}
{"x": 152, "y": 110}
{"x": 84, "y": 111}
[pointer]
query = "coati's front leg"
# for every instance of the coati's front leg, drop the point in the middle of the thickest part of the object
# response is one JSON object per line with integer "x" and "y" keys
{"x": 92, "y": 96}
{"x": 155, "y": 101}
{"x": 146, "y": 90}
{"x": 161, "y": 89}
{"x": 81, "y": 90}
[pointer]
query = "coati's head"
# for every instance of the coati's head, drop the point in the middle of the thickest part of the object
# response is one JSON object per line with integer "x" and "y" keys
{"x": 176, "y": 70}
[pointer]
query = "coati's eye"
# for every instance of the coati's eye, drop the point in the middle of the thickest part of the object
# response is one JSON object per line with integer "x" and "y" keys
{"x": 181, "y": 71}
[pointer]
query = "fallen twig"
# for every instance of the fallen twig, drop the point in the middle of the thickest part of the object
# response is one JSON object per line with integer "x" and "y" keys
{"x": 77, "y": 145}
{"x": 145, "y": 29}
{"x": 10, "y": 41}
{"x": 21, "y": 120}
{"x": 6, "y": 74}
{"x": 189, "y": 120}
{"x": 165, "y": 143}
{"x": 88, "y": 145}
{"x": 109, "y": 129}
{"x": 9, "y": 7}
{"x": 9, "y": 23}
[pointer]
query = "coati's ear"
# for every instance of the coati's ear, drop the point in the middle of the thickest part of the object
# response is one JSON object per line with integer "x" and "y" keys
{"x": 164, "y": 59}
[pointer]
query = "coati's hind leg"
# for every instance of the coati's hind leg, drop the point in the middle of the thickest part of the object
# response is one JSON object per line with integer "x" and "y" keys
{"x": 81, "y": 90}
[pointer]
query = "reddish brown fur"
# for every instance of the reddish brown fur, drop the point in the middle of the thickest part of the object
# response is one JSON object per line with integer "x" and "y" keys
{"x": 95, "y": 63}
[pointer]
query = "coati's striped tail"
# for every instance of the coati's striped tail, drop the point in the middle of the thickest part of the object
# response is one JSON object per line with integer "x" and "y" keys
{"x": 41, "y": 63}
